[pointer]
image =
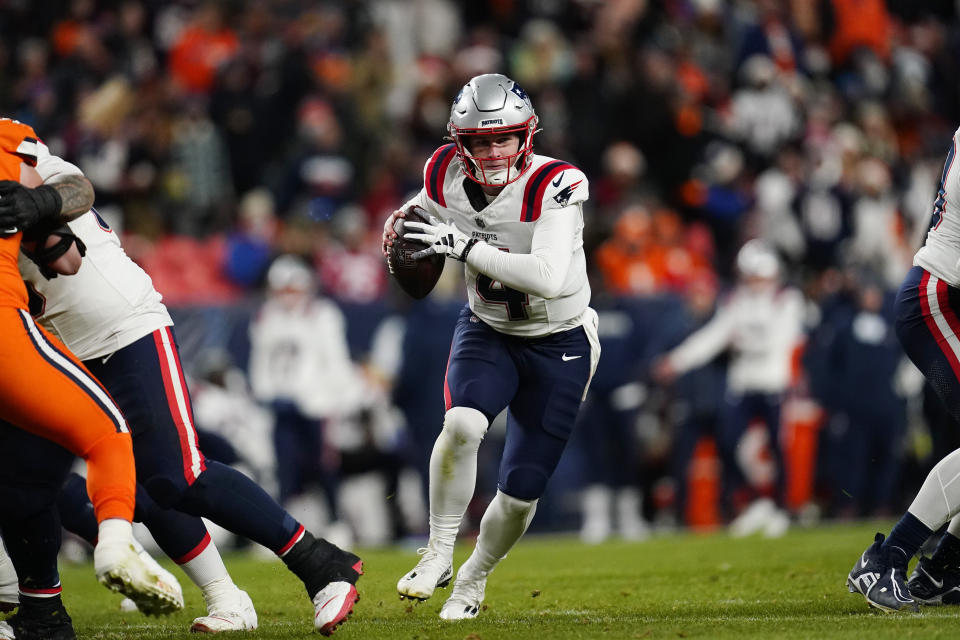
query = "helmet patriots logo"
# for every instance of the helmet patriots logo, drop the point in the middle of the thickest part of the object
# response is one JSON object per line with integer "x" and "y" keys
{"x": 517, "y": 89}
{"x": 563, "y": 196}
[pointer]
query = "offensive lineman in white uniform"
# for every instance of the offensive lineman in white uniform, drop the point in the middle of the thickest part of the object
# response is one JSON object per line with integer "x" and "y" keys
{"x": 928, "y": 307}
{"x": 112, "y": 318}
{"x": 527, "y": 341}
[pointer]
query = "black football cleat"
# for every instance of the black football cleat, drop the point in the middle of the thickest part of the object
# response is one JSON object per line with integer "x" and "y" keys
{"x": 42, "y": 622}
{"x": 890, "y": 592}
{"x": 338, "y": 574}
{"x": 866, "y": 570}
{"x": 329, "y": 574}
{"x": 932, "y": 584}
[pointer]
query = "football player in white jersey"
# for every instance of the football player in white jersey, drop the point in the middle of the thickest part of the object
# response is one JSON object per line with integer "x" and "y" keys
{"x": 111, "y": 317}
{"x": 527, "y": 341}
{"x": 761, "y": 323}
{"x": 928, "y": 321}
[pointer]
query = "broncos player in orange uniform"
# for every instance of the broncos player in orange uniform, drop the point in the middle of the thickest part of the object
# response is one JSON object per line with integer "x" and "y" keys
{"x": 47, "y": 397}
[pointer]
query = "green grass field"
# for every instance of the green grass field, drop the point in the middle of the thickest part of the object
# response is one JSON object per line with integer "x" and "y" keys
{"x": 681, "y": 586}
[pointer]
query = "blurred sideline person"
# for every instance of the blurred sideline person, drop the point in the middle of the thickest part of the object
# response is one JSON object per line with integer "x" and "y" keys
{"x": 300, "y": 367}
{"x": 698, "y": 393}
{"x": 81, "y": 418}
{"x": 927, "y": 308}
{"x": 112, "y": 318}
{"x": 855, "y": 347}
{"x": 761, "y": 323}
{"x": 614, "y": 455}
{"x": 526, "y": 342}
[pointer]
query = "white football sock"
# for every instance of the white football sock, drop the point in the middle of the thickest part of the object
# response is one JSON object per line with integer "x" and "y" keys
{"x": 939, "y": 497}
{"x": 504, "y": 521}
{"x": 115, "y": 530}
{"x": 207, "y": 571}
{"x": 453, "y": 472}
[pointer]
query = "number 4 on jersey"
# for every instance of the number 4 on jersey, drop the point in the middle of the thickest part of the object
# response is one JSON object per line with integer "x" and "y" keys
{"x": 492, "y": 291}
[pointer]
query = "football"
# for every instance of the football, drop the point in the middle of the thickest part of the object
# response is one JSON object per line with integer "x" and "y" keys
{"x": 416, "y": 277}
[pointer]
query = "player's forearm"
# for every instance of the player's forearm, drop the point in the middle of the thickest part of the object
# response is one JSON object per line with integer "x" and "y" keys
{"x": 701, "y": 346}
{"x": 537, "y": 274}
{"x": 77, "y": 195}
{"x": 543, "y": 271}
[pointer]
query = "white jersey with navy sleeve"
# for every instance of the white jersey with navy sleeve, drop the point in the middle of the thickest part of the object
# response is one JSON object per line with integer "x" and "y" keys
{"x": 538, "y": 217}
{"x": 940, "y": 254}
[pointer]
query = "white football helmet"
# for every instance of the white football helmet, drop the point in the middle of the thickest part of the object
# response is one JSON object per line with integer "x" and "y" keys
{"x": 492, "y": 104}
{"x": 757, "y": 259}
{"x": 289, "y": 273}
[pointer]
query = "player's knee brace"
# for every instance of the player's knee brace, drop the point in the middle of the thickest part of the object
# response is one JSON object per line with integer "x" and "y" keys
{"x": 465, "y": 425}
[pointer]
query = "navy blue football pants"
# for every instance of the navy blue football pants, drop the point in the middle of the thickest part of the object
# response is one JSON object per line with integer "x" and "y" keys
{"x": 540, "y": 381}
{"x": 147, "y": 382}
{"x": 928, "y": 320}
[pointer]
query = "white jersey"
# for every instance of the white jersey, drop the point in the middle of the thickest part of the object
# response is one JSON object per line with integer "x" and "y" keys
{"x": 940, "y": 254}
{"x": 522, "y": 298}
{"x": 761, "y": 328}
{"x": 300, "y": 354}
{"x": 109, "y": 303}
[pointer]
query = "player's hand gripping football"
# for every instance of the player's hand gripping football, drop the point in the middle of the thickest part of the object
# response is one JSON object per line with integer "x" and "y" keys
{"x": 389, "y": 235}
{"x": 443, "y": 237}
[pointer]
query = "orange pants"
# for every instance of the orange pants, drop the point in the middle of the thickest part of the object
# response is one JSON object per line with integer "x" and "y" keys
{"x": 45, "y": 390}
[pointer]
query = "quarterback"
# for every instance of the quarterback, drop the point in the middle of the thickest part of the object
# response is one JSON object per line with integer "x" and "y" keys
{"x": 927, "y": 308}
{"x": 109, "y": 314}
{"x": 527, "y": 340}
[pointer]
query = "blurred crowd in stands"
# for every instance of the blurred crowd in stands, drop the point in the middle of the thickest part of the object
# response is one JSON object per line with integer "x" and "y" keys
{"x": 222, "y": 134}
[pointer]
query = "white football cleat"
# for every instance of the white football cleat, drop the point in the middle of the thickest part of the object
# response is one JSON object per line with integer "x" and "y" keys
{"x": 120, "y": 568}
{"x": 464, "y": 603}
{"x": 754, "y": 518}
{"x": 434, "y": 570}
{"x": 6, "y": 631}
{"x": 237, "y": 616}
{"x": 777, "y": 525}
{"x": 333, "y": 605}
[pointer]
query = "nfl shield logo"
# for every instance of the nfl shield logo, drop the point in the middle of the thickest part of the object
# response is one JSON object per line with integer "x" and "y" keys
{"x": 480, "y": 222}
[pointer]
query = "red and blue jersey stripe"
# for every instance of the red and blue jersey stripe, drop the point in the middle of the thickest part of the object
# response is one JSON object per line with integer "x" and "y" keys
{"x": 437, "y": 171}
{"x": 536, "y": 186}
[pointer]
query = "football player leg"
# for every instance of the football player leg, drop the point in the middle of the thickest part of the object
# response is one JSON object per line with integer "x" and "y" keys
{"x": 936, "y": 580}
{"x": 85, "y": 421}
{"x": 481, "y": 379}
{"x": 147, "y": 381}
{"x": 184, "y": 539}
{"x": 453, "y": 474}
{"x": 539, "y": 424}
{"x": 927, "y": 315}
{"x": 31, "y": 528}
